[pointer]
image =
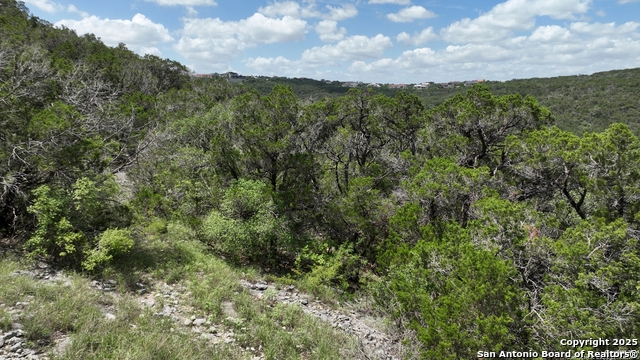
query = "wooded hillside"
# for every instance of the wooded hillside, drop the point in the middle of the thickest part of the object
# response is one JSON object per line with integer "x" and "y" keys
{"x": 580, "y": 103}
{"x": 476, "y": 224}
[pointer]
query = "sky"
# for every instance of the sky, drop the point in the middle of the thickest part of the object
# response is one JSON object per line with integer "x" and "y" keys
{"x": 384, "y": 41}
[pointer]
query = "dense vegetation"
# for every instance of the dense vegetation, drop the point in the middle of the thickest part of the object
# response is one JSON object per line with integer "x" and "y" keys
{"x": 580, "y": 103}
{"x": 475, "y": 225}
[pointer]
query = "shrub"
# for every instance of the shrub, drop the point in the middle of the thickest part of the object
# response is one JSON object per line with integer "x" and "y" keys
{"x": 111, "y": 243}
{"x": 246, "y": 227}
{"x": 78, "y": 227}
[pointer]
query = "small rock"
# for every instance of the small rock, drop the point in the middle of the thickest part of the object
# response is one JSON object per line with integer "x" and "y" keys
{"x": 186, "y": 322}
{"x": 213, "y": 330}
{"x": 167, "y": 311}
{"x": 207, "y": 336}
{"x": 199, "y": 322}
{"x": 17, "y": 326}
{"x": 109, "y": 317}
{"x": 13, "y": 341}
{"x": 304, "y": 302}
{"x": 228, "y": 340}
{"x": 261, "y": 287}
{"x": 16, "y": 348}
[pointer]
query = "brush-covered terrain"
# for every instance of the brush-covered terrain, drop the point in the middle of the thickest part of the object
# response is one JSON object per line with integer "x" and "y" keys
{"x": 149, "y": 214}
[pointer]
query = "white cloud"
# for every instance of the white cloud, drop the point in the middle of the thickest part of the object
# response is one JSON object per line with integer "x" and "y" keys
{"x": 138, "y": 32}
{"x": 295, "y": 10}
{"x": 329, "y": 32}
{"x": 45, "y": 5}
{"x": 601, "y": 13}
{"x": 550, "y": 33}
{"x": 341, "y": 13}
{"x": 184, "y": 2}
{"x": 213, "y": 42}
{"x": 547, "y": 51}
{"x": 600, "y": 29}
{"x": 315, "y": 59}
{"x": 421, "y": 38}
{"x": 150, "y": 50}
{"x": 356, "y": 47}
{"x": 286, "y": 8}
{"x": 397, "y": 2}
{"x": 411, "y": 13}
{"x": 512, "y": 15}
{"x": 73, "y": 9}
{"x": 626, "y": 1}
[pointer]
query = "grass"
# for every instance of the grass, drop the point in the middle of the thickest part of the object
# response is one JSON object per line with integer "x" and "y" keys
{"x": 71, "y": 307}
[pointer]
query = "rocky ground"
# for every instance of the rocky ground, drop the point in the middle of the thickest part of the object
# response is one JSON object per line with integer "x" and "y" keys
{"x": 171, "y": 301}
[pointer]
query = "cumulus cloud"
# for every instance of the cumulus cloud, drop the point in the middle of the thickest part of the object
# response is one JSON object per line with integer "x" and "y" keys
{"x": 579, "y": 47}
{"x": 397, "y": 2}
{"x": 314, "y": 60}
{"x": 512, "y": 15}
{"x": 214, "y": 42}
{"x": 329, "y": 32}
{"x": 184, "y": 2}
{"x": 138, "y": 32}
{"x": 341, "y": 13}
{"x": 356, "y": 47}
{"x": 411, "y": 13}
{"x": 421, "y": 38}
{"x": 550, "y": 33}
{"x": 150, "y": 50}
{"x": 295, "y": 10}
{"x": 601, "y": 29}
{"x": 45, "y": 5}
{"x": 289, "y": 8}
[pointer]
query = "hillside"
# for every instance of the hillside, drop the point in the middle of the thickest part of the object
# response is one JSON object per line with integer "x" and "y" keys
{"x": 580, "y": 103}
{"x": 148, "y": 213}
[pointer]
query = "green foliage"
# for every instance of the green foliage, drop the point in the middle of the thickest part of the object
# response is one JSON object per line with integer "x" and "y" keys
{"x": 326, "y": 266}
{"x": 246, "y": 227}
{"x": 111, "y": 243}
{"x": 54, "y": 234}
{"x": 67, "y": 223}
{"x": 458, "y": 298}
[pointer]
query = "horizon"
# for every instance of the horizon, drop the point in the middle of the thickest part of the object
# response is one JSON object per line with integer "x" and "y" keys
{"x": 382, "y": 41}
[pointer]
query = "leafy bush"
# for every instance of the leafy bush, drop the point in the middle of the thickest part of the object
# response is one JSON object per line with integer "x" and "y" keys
{"x": 78, "y": 227}
{"x": 329, "y": 267}
{"x": 246, "y": 227}
{"x": 111, "y": 243}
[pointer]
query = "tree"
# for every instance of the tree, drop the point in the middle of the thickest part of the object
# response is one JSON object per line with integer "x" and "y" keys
{"x": 473, "y": 127}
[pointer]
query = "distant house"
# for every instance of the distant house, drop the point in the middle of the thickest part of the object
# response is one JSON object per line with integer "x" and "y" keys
{"x": 374, "y": 85}
{"x": 351, "y": 83}
{"x": 424, "y": 85}
{"x": 232, "y": 76}
{"x": 204, "y": 75}
{"x": 397, "y": 86}
{"x": 473, "y": 82}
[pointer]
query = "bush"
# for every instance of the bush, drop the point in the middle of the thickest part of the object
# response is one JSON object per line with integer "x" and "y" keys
{"x": 111, "y": 243}
{"x": 329, "y": 267}
{"x": 247, "y": 228}
{"x": 78, "y": 227}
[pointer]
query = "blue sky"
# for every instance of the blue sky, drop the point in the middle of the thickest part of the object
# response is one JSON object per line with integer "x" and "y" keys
{"x": 389, "y": 41}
